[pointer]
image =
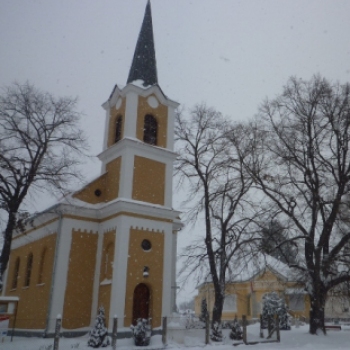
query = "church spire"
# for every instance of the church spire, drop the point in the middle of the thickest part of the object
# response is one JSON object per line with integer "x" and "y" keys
{"x": 144, "y": 62}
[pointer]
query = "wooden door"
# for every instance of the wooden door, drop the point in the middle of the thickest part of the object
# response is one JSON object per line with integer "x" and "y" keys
{"x": 141, "y": 302}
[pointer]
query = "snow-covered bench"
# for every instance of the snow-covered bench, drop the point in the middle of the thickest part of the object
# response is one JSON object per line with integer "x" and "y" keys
{"x": 333, "y": 327}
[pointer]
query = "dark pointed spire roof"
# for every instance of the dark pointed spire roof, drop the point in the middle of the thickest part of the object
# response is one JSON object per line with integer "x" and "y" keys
{"x": 144, "y": 62}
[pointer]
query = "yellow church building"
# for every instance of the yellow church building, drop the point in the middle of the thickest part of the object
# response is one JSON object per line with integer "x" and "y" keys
{"x": 113, "y": 242}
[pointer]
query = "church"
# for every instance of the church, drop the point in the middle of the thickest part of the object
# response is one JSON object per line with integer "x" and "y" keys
{"x": 113, "y": 242}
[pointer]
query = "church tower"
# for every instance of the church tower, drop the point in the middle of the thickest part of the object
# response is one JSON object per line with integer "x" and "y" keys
{"x": 137, "y": 172}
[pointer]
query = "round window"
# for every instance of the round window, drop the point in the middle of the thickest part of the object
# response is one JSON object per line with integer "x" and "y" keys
{"x": 146, "y": 245}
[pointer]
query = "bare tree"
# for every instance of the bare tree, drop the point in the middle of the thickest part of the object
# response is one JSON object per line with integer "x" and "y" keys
{"x": 276, "y": 243}
{"x": 216, "y": 189}
{"x": 300, "y": 161}
{"x": 39, "y": 142}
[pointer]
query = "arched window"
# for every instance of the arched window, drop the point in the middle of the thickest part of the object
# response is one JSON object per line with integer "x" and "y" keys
{"x": 41, "y": 267}
{"x": 15, "y": 274}
{"x": 150, "y": 129}
{"x": 28, "y": 270}
{"x": 118, "y": 129}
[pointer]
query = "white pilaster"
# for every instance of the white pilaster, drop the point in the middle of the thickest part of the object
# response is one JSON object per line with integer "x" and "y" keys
{"x": 126, "y": 174}
{"x": 106, "y": 131}
{"x": 105, "y": 137}
{"x": 97, "y": 277}
{"x": 60, "y": 273}
{"x": 131, "y": 114}
{"x": 121, "y": 253}
{"x": 170, "y": 131}
{"x": 167, "y": 273}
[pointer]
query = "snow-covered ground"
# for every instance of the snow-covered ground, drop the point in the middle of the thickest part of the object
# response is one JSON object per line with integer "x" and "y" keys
{"x": 297, "y": 338}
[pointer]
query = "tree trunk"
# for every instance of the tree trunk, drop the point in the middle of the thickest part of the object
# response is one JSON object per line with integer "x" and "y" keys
{"x": 219, "y": 290}
{"x": 217, "y": 313}
{"x": 6, "y": 248}
{"x": 317, "y": 313}
{"x": 218, "y": 305}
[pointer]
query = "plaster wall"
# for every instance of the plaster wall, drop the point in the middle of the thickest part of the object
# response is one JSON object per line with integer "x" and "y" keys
{"x": 80, "y": 278}
{"x": 138, "y": 258}
{"x": 30, "y": 315}
{"x": 148, "y": 181}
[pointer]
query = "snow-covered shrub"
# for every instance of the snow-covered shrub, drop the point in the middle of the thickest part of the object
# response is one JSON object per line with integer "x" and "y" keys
{"x": 99, "y": 334}
{"x": 226, "y": 324}
{"x": 284, "y": 317}
{"x": 236, "y": 330}
{"x": 274, "y": 305}
{"x": 141, "y": 332}
{"x": 216, "y": 332}
{"x": 204, "y": 311}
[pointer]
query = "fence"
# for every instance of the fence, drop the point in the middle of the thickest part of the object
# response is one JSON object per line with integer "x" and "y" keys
{"x": 191, "y": 331}
{"x": 187, "y": 330}
{"x": 70, "y": 327}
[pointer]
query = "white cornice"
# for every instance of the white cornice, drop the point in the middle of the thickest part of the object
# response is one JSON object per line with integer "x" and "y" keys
{"x": 177, "y": 224}
{"x": 140, "y": 147}
{"x": 39, "y": 219}
{"x": 154, "y": 89}
{"x": 138, "y": 208}
{"x": 103, "y": 211}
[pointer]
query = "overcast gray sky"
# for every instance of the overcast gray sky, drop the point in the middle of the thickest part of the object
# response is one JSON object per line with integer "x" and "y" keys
{"x": 230, "y": 54}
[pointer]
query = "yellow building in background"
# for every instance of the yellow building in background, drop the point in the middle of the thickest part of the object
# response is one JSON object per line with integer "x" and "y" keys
{"x": 253, "y": 279}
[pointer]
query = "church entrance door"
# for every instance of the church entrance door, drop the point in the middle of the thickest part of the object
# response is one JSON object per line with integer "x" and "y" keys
{"x": 141, "y": 302}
